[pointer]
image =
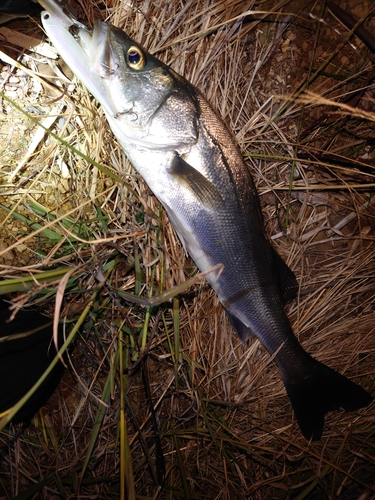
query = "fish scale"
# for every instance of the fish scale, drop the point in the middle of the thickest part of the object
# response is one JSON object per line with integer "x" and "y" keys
{"x": 192, "y": 164}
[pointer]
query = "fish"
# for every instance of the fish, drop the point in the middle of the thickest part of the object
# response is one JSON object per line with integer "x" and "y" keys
{"x": 193, "y": 165}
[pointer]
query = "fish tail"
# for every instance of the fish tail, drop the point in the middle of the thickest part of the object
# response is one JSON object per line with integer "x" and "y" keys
{"x": 322, "y": 390}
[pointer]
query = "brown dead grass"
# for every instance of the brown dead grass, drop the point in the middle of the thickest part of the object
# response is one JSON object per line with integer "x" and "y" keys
{"x": 220, "y": 419}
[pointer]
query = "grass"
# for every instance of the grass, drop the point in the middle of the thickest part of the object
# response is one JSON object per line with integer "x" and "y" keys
{"x": 161, "y": 400}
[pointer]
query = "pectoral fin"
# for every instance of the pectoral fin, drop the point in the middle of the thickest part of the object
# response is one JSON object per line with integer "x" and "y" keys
{"x": 196, "y": 183}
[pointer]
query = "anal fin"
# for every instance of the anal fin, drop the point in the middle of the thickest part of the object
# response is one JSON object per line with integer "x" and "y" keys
{"x": 242, "y": 330}
{"x": 287, "y": 281}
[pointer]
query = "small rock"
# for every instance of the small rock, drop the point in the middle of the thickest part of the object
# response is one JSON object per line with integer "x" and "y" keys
{"x": 4, "y": 253}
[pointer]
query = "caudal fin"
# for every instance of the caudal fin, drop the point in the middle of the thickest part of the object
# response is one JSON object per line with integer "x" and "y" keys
{"x": 323, "y": 390}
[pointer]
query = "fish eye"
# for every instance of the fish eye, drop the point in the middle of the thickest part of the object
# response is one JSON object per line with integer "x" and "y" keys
{"x": 135, "y": 58}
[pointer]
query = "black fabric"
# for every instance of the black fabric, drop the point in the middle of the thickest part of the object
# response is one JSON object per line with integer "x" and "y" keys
{"x": 24, "y": 360}
{"x": 19, "y": 7}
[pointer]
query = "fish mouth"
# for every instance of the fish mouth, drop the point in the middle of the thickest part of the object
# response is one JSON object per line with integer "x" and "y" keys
{"x": 87, "y": 52}
{"x": 94, "y": 42}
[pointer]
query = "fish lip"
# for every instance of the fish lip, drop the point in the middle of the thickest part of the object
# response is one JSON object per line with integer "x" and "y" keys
{"x": 101, "y": 53}
{"x": 97, "y": 46}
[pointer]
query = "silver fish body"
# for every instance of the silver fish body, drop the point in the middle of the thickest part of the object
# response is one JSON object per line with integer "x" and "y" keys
{"x": 191, "y": 162}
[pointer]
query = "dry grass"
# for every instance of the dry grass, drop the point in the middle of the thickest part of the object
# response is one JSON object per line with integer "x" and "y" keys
{"x": 170, "y": 391}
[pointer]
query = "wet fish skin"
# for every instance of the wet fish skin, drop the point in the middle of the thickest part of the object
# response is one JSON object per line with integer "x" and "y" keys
{"x": 191, "y": 162}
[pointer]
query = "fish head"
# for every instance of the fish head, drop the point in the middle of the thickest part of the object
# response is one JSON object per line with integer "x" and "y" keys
{"x": 137, "y": 82}
{"x": 142, "y": 97}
